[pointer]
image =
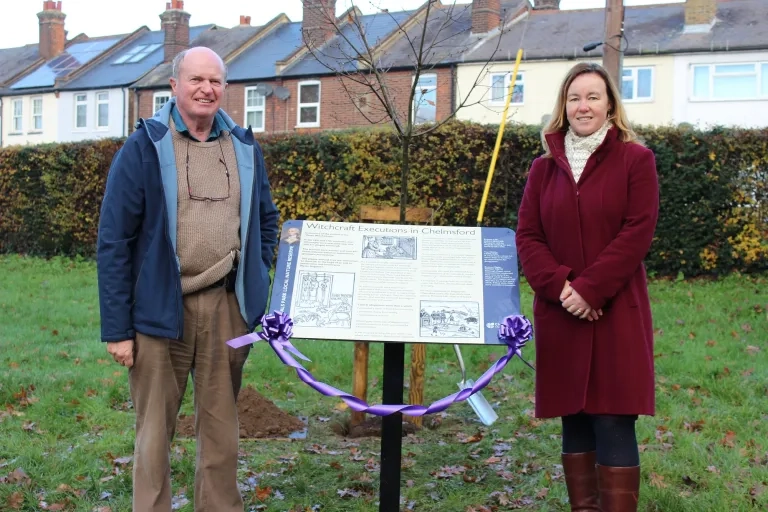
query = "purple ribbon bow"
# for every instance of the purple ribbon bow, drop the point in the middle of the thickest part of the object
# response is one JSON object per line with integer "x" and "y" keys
{"x": 277, "y": 329}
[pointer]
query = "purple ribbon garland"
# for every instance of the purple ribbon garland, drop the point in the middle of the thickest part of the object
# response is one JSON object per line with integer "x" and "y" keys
{"x": 277, "y": 329}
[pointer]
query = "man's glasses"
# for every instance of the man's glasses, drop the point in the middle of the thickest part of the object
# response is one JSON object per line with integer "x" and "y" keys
{"x": 226, "y": 168}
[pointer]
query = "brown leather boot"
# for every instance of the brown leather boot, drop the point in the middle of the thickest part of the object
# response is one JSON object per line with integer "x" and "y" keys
{"x": 619, "y": 488}
{"x": 581, "y": 481}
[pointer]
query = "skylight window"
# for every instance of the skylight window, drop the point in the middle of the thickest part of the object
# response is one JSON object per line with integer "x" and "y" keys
{"x": 137, "y": 53}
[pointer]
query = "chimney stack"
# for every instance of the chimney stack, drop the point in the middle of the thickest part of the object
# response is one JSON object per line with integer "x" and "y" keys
{"x": 175, "y": 23}
{"x": 700, "y": 12}
{"x": 52, "y": 34}
{"x": 486, "y": 16}
{"x": 315, "y": 26}
{"x": 546, "y": 4}
{"x": 245, "y": 21}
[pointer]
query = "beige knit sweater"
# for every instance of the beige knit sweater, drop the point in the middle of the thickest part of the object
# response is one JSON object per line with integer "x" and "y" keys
{"x": 208, "y": 232}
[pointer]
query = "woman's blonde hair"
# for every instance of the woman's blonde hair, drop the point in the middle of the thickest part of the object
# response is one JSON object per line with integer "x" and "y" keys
{"x": 616, "y": 112}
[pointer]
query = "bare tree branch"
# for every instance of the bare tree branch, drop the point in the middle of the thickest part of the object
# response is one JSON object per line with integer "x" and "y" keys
{"x": 363, "y": 69}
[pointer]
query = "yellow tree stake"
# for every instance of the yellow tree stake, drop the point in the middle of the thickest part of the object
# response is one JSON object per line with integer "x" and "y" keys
{"x": 512, "y": 81}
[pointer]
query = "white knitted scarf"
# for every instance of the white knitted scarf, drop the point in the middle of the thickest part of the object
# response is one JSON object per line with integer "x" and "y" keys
{"x": 578, "y": 149}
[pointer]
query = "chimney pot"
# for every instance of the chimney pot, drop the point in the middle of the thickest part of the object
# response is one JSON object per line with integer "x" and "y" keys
{"x": 175, "y": 24}
{"x": 53, "y": 37}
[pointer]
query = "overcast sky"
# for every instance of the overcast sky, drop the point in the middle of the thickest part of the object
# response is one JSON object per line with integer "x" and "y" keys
{"x": 99, "y": 17}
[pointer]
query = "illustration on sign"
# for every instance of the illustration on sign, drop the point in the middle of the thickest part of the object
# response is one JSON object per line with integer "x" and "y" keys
{"x": 324, "y": 299}
{"x": 448, "y": 319}
{"x": 389, "y": 247}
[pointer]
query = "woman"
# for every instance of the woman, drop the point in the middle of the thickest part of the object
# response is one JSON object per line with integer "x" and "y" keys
{"x": 585, "y": 225}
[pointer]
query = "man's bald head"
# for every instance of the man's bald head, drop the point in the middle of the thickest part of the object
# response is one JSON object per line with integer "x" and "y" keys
{"x": 198, "y": 54}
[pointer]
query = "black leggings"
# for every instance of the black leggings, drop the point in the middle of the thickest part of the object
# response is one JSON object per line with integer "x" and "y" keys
{"x": 613, "y": 437}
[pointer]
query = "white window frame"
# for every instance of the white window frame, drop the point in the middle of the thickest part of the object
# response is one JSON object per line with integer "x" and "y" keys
{"x": 758, "y": 73}
{"x": 507, "y": 78}
{"x": 35, "y": 116}
{"x": 17, "y": 119}
{"x": 301, "y": 105}
{"x": 100, "y": 102}
{"x": 635, "y": 70}
{"x": 262, "y": 109}
{"x": 426, "y": 90}
{"x": 81, "y": 103}
{"x": 156, "y": 96}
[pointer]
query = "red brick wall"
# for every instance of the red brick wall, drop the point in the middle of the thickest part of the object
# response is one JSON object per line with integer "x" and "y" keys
{"x": 336, "y": 108}
{"x": 700, "y": 12}
{"x": 486, "y": 15}
{"x": 315, "y": 23}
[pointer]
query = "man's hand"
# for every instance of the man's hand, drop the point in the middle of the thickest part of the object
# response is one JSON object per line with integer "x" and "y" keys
{"x": 121, "y": 351}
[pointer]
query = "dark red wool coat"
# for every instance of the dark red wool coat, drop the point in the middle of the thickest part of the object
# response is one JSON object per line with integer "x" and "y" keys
{"x": 596, "y": 234}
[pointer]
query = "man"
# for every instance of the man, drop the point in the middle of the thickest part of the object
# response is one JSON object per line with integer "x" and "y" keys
{"x": 185, "y": 245}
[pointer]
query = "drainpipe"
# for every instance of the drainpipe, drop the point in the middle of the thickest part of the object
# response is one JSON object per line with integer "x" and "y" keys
{"x": 125, "y": 113}
{"x": 454, "y": 80}
{"x": 135, "y": 107}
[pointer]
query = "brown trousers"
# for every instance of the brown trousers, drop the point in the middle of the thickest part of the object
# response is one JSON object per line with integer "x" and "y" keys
{"x": 158, "y": 380}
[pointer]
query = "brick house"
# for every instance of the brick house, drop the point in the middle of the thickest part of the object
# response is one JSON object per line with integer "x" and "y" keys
{"x": 277, "y": 84}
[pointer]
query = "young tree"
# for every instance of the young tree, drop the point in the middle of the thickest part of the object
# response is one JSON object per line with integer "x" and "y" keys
{"x": 384, "y": 78}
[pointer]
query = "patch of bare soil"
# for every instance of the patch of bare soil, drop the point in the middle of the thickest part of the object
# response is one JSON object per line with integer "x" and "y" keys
{"x": 259, "y": 418}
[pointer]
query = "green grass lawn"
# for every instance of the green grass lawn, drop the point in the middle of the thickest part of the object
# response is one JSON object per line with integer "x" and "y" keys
{"x": 66, "y": 427}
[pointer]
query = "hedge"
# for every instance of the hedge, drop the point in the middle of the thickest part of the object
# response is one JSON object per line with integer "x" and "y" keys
{"x": 713, "y": 186}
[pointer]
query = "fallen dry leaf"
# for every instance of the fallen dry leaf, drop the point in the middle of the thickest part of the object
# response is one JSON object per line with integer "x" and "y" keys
{"x": 476, "y": 438}
{"x": 449, "y": 471}
{"x": 263, "y": 493}
{"x": 696, "y": 426}
{"x": 728, "y": 439}
{"x": 15, "y": 501}
{"x": 18, "y": 476}
{"x": 657, "y": 480}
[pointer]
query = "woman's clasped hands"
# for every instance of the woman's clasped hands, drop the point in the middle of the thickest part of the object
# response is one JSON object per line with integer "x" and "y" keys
{"x": 576, "y": 305}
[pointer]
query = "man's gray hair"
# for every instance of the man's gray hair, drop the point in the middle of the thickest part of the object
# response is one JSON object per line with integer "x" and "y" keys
{"x": 179, "y": 58}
